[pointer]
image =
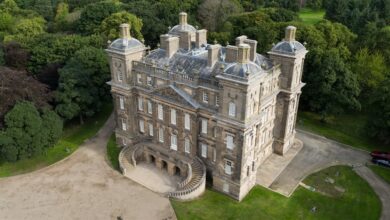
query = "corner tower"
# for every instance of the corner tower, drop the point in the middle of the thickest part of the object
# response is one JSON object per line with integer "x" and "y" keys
{"x": 290, "y": 55}
{"x": 121, "y": 53}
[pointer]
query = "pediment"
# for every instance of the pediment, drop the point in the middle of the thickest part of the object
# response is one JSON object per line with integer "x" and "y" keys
{"x": 172, "y": 93}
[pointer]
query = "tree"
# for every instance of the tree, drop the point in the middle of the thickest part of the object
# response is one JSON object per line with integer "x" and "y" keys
{"x": 16, "y": 86}
{"x": 212, "y": 14}
{"x": 28, "y": 133}
{"x": 60, "y": 20}
{"x": 50, "y": 52}
{"x": 314, "y": 4}
{"x": 380, "y": 112}
{"x": 370, "y": 69}
{"x": 16, "y": 56}
{"x": 25, "y": 29}
{"x": 92, "y": 16}
{"x": 82, "y": 86}
{"x": 110, "y": 26}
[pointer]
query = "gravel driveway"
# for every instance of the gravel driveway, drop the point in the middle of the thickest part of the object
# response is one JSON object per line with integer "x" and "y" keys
{"x": 83, "y": 186}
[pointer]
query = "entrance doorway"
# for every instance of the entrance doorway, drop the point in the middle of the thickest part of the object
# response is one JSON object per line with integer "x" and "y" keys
{"x": 152, "y": 159}
{"x": 177, "y": 171}
{"x": 164, "y": 165}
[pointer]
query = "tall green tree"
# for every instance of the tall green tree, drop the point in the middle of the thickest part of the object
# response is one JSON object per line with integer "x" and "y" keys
{"x": 110, "y": 26}
{"x": 380, "y": 112}
{"x": 93, "y": 14}
{"x": 27, "y": 134}
{"x": 82, "y": 85}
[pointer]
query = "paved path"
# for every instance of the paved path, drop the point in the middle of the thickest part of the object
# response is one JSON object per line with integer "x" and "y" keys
{"x": 319, "y": 153}
{"x": 83, "y": 186}
{"x": 381, "y": 188}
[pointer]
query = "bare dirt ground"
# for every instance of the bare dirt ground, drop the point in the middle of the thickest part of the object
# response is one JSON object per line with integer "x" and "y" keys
{"x": 83, "y": 186}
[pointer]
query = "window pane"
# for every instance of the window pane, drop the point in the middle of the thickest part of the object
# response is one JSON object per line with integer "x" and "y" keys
{"x": 232, "y": 109}
{"x": 150, "y": 110}
{"x": 187, "y": 145}
{"x": 204, "y": 150}
{"x": 140, "y": 104}
{"x": 173, "y": 116}
{"x": 187, "y": 121}
{"x": 161, "y": 135}
{"x": 204, "y": 126}
{"x": 160, "y": 112}
{"x": 121, "y": 102}
{"x": 150, "y": 129}
{"x": 141, "y": 126}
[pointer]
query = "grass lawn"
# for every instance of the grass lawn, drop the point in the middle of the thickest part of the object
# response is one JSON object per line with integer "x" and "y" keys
{"x": 113, "y": 152}
{"x": 74, "y": 134}
{"x": 383, "y": 172}
{"x": 357, "y": 202}
{"x": 347, "y": 129}
{"x": 309, "y": 16}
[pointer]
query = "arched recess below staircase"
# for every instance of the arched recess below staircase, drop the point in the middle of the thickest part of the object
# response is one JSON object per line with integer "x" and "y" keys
{"x": 191, "y": 170}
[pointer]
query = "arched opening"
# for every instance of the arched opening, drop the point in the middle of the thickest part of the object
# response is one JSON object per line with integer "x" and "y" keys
{"x": 164, "y": 165}
{"x": 152, "y": 159}
{"x": 177, "y": 171}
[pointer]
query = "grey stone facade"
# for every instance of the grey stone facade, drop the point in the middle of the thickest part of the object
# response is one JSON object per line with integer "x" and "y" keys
{"x": 228, "y": 106}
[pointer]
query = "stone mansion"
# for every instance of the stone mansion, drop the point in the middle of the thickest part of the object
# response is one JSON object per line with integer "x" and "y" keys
{"x": 204, "y": 111}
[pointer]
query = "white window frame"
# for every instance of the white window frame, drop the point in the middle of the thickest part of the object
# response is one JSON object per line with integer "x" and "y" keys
{"x": 203, "y": 150}
{"x": 228, "y": 168}
{"x": 232, "y": 109}
{"x": 204, "y": 126}
{"x": 124, "y": 124}
{"x": 160, "y": 112}
{"x": 149, "y": 80}
{"x": 121, "y": 102}
{"x": 229, "y": 141}
{"x": 187, "y": 121}
{"x": 173, "y": 116}
{"x": 161, "y": 135}
{"x": 150, "y": 107}
{"x": 150, "y": 129}
{"x": 205, "y": 97}
{"x": 174, "y": 142}
{"x": 139, "y": 78}
{"x": 142, "y": 126}
{"x": 140, "y": 104}
{"x": 187, "y": 145}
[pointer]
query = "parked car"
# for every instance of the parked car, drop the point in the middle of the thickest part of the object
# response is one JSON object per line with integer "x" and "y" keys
{"x": 385, "y": 163}
{"x": 380, "y": 155}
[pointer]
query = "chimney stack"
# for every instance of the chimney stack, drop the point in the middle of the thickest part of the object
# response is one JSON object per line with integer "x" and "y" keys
{"x": 185, "y": 40}
{"x": 243, "y": 53}
{"x": 124, "y": 31}
{"x": 240, "y": 39}
{"x": 201, "y": 38}
{"x": 183, "y": 18}
{"x": 253, "y": 45}
{"x": 170, "y": 44}
{"x": 231, "y": 54}
{"x": 213, "y": 51}
{"x": 290, "y": 33}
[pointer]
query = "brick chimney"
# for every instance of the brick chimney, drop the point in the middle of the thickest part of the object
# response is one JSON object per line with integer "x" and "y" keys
{"x": 213, "y": 51}
{"x": 201, "y": 38}
{"x": 182, "y": 18}
{"x": 231, "y": 54}
{"x": 290, "y": 33}
{"x": 243, "y": 53}
{"x": 124, "y": 31}
{"x": 170, "y": 44}
{"x": 185, "y": 40}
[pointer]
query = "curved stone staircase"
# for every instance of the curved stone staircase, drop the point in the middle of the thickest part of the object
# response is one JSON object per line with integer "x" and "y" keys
{"x": 125, "y": 157}
{"x": 193, "y": 186}
{"x": 195, "y": 183}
